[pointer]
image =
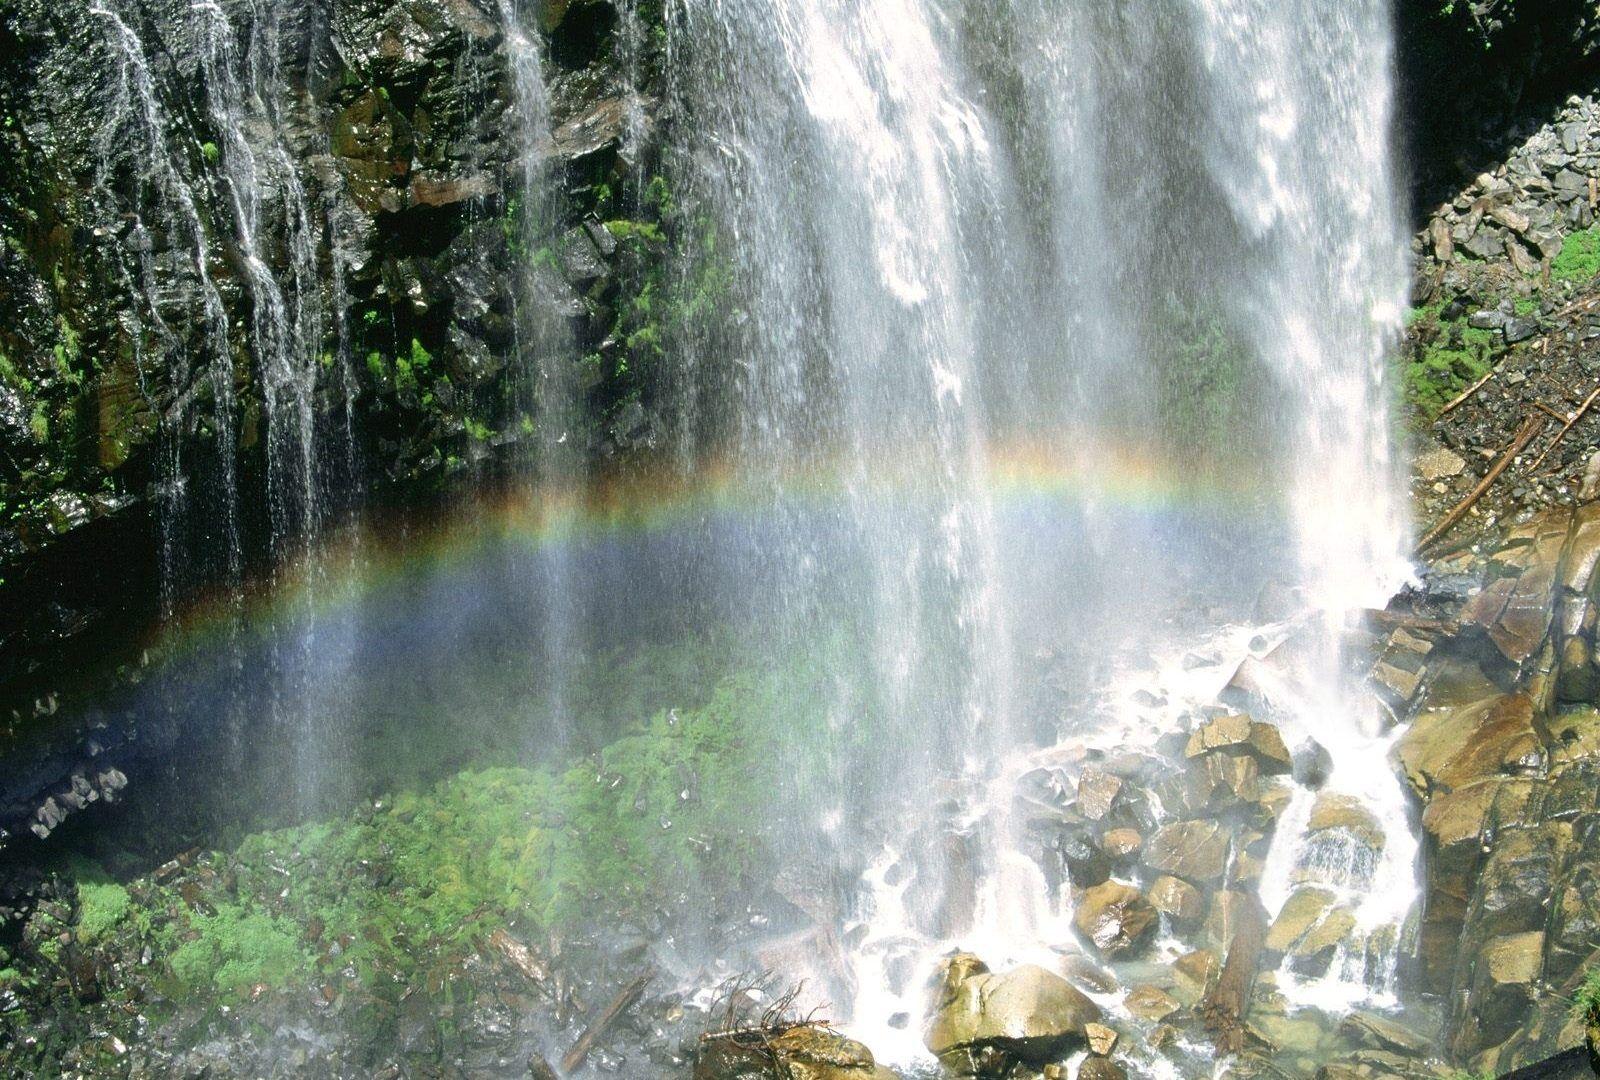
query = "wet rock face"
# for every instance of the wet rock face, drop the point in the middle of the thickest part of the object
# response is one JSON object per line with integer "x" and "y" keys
{"x": 984, "y": 1024}
{"x": 802, "y": 1052}
{"x": 1506, "y": 764}
{"x": 383, "y": 144}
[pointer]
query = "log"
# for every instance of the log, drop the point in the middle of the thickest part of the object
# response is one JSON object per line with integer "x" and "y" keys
{"x": 520, "y": 956}
{"x": 626, "y": 998}
{"x": 1224, "y": 1006}
{"x": 1573, "y": 419}
{"x": 1530, "y": 427}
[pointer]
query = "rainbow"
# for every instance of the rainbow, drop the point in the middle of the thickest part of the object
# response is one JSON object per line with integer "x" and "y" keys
{"x": 368, "y": 555}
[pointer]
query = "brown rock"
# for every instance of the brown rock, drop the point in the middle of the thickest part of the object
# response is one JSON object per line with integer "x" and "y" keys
{"x": 1194, "y": 850}
{"x": 1102, "y": 1040}
{"x": 1116, "y": 918}
{"x": 1177, "y": 899}
{"x": 1150, "y": 1003}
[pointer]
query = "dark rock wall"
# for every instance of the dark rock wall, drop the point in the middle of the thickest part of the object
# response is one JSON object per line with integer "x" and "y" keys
{"x": 120, "y": 471}
{"x": 1477, "y": 77}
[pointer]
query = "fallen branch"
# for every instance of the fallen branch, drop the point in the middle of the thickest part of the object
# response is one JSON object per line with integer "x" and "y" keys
{"x": 1573, "y": 419}
{"x": 520, "y": 957}
{"x": 1530, "y": 427}
{"x": 1560, "y": 418}
{"x": 1468, "y": 392}
{"x": 626, "y": 998}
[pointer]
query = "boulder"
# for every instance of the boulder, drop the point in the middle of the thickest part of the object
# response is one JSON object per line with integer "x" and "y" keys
{"x": 1504, "y": 985}
{"x": 1101, "y": 1068}
{"x": 1335, "y": 811}
{"x": 1304, "y": 909}
{"x": 1238, "y": 733}
{"x": 1102, "y": 1040}
{"x": 1194, "y": 850}
{"x": 1447, "y": 749}
{"x": 1194, "y": 973}
{"x": 1027, "y": 1015}
{"x": 1150, "y": 1003}
{"x": 1097, "y": 793}
{"x": 1121, "y": 843}
{"x": 1178, "y": 900}
{"x": 803, "y": 1052}
{"x": 1116, "y": 918}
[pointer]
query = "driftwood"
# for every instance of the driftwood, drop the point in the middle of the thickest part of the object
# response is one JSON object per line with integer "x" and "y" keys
{"x": 1573, "y": 419}
{"x": 520, "y": 957}
{"x": 626, "y": 998}
{"x": 1530, "y": 427}
{"x": 1224, "y": 1006}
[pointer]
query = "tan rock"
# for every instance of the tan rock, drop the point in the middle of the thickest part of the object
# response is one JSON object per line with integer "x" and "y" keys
{"x": 1177, "y": 899}
{"x": 1097, "y": 793}
{"x": 1451, "y": 748}
{"x": 1030, "y": 1013}
{"x": 1102, "y": 1040}
{"x": 1150, "y": 1003}
{"x": 1194, "y": 850}
{"x": 1101, "y": 1068}
{"x": 1120, "y": 843}
{"x": 1335, "y": 811}
{"x": 1239, "y": 733}
{"x": 1116, "y": 918}
{"x": 1086, "y": 973}
{"x": 1194, "y": 973}
{"x": 1304, "y": 909}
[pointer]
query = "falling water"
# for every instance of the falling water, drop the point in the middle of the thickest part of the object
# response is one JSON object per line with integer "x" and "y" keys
{"x": 957, "y": 237}
{"x": 137, "y": 119}
{"x": 1074, "y": 314}
{"x": 243, "y": 87}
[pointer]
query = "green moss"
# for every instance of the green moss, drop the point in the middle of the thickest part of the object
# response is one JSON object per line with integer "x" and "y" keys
{"x": 39, "y": 424}
{"x": 478, "y": 430}
{"x": 1586, "y": 1002}
{"x": 629, "y": 230}
{"x": 211, "y": 152}
{"x": 378, "y": 366}
{"x": 1579, "y": 259}
{"x": 1443, "y": 358}
{"x": 238, "y": 948}
{"x": 102, "y": 906}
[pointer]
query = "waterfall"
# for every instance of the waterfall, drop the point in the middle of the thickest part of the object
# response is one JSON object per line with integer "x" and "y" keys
{"x": 243, "y": 90}
{"x": 136, "y": 119}
{"x": 1079, "y": 239}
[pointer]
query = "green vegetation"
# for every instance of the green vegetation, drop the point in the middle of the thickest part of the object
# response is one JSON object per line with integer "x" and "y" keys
{"x": 211, "y": 152}
{"x": 1445, "y": 357}
{"x": 102, "y": 905}
{"x": 236, "y": 949}
{"x": 1579, "y": 259}
{"x": 1586, "y": 1002}
{"x": 420, "y": 880}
